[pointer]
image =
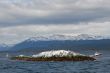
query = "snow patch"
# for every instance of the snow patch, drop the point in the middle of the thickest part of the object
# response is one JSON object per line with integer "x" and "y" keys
{"x": 59, "y": 53}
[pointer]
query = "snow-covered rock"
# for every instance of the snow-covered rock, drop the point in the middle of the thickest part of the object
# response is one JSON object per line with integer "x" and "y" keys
{"x": 21, "y": 55}
{"x": 59, "y": 53}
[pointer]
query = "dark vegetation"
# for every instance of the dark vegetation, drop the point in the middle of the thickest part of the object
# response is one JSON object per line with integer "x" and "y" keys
{"x": 54, "y": 58}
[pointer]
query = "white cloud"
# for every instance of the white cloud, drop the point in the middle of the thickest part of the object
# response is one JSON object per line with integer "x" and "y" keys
{"x": 18, "y": 33}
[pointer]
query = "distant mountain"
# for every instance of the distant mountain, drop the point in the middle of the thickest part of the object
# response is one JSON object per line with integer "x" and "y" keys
{"x": 62, "y": 42}
{"x": 88, "y": 37}
{"x": 65, "y": 37}
{"x": 4, "y": 47}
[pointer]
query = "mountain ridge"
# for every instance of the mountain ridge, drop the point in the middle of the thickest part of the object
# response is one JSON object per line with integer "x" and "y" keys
{"x": 62, "y": 42}
{"x": 65, "y": 37}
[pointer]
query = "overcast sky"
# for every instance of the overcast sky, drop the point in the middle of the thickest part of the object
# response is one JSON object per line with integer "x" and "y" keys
{"x": 21, "y": 19}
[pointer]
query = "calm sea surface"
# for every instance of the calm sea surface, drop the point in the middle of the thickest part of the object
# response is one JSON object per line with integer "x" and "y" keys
{"x": 101, "y": 65}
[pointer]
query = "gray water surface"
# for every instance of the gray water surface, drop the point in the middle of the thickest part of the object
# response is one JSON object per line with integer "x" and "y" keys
{"x": 101, "y": 65}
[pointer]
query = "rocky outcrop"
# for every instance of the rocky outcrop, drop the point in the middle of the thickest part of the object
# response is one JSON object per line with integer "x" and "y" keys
{"x": 55, "y": 55}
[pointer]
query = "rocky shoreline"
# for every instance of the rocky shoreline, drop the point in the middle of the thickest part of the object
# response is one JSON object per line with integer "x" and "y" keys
{"x": 55, "y": 55}
{"x": 53, "y": 58}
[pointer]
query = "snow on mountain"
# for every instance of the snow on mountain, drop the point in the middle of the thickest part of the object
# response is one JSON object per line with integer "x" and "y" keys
{"x": 59, "y": 53}
{"x": 65, "y": 37}
{"x": 62, "y": 42}
{"x": 4, "y": 47}
{"x": 88, "y": 37}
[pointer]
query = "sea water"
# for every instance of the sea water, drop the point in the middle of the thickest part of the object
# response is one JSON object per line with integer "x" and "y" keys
{"x": 101, "y": 65}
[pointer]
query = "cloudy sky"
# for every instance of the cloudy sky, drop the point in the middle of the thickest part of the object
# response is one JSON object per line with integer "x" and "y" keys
{"x": 21, "y": 19}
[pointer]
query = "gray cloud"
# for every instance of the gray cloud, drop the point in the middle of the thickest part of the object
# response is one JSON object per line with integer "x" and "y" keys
{"x": 20, "y": 19}
{"x": 17, "y": 33}
{"x": 19, "y": 12}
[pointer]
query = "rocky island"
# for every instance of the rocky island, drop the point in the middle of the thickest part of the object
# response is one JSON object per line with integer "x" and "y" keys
{"x": 55, "y": 55}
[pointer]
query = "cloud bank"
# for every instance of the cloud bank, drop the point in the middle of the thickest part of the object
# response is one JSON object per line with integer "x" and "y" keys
{"x": 20, "y": 19}
{"x": 17, "y": 33}
{"x": 19, "y": 12}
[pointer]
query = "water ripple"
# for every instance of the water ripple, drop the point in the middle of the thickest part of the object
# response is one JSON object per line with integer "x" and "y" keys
{"x": 7, "y": 66}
